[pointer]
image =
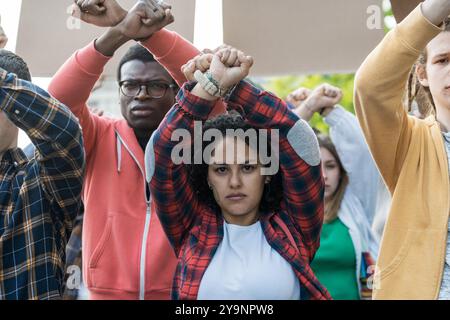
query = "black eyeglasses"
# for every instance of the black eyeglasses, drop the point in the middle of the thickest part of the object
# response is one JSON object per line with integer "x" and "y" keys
{"x": 154, "y": 89}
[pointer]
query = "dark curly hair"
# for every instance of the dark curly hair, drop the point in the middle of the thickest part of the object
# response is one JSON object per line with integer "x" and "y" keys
{"x": 198, "y": 173}
{"x": 11, "y": 62}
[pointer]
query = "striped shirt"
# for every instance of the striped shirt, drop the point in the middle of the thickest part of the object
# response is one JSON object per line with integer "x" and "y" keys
{"x": 39, "y": 198}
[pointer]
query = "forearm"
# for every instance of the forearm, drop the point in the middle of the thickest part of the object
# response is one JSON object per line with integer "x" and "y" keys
{"x": 189, "y": 110}
{"x": 294, "y": 148}
{"x": 346, "y": 134}
{"x": 191, "y": 106}
{"x": 73, "y": 82}
{"x": 55, "y": 132}
{"x": 33, "y": 110}
{"x": 262, "y": 109}
{"x": 110, "y": 41}
{"x": 303, "y": 190}
{"x": 304, "y": 112}
{"x": 198, "y": 91}
{"x": 171, "y": 51}
{"x": 175, "y": 198}
{"x": 384, "y": 73}
{"x": 379, "y": 88}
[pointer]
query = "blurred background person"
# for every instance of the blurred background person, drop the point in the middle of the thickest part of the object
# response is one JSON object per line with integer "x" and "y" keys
{"x": 347, "y": 245}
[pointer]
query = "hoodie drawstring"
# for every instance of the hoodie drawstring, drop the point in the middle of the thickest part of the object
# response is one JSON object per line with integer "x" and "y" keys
{"x": 119, "y": 153}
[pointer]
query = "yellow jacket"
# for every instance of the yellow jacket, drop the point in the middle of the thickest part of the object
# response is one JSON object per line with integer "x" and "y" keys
{"x": 411, "y": 157}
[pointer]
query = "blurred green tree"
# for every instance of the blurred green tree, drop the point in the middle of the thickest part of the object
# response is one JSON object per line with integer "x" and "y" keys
{"x": 282, "y": 86}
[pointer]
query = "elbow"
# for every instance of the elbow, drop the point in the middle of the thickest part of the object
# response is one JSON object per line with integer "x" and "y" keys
{"x": 78, "y": 150}
{"x": 363, "y": 82}
{"x": 72, "y": 139}
{"x": 365, "y": 91}
{"x": 73, "y": 129}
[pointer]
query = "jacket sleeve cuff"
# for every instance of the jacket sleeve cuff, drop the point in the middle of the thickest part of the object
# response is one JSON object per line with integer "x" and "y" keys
{"x": 416, "y": 30}
{"x": 335, "y": 116}
{"x": 195, "y": 106}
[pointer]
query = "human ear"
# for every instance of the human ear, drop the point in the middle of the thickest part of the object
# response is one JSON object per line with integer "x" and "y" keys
{"x": 421, "y": 74}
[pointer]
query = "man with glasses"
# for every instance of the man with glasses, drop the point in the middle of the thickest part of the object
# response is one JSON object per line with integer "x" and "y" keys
{"x": 147, "y": 92}
{"x": 126, "y": 254}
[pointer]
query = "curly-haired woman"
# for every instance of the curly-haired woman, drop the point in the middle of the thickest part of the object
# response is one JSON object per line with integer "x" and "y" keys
{"x": 239, "y": 231}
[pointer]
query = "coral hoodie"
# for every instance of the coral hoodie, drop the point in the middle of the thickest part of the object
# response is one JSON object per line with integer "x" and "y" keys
{"x": 126, "y": 254}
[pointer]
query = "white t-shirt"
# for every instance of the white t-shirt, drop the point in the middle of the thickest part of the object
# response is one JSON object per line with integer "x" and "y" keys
{"x": 245, "y": 267}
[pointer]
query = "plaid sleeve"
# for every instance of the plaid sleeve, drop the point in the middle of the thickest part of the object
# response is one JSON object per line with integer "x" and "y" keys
{"x": 299, "y": 158}
{"x": 55, "y": 132}
{"x": 176, "y": 202}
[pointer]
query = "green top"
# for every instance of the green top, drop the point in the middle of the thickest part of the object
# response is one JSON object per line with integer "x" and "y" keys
{"x": 335, "y": 262}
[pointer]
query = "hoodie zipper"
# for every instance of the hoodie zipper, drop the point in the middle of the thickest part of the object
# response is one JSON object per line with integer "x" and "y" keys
{"x": 148, "y": 216}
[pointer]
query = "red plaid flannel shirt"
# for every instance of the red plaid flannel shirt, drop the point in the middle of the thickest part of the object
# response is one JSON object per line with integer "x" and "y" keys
{"x": 195, "y": 231}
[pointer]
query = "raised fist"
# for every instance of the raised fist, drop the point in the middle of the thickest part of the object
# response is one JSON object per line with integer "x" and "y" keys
{"x": 222, "y": 46}
{"x": 322, "y": 97}
{"x": 102, "y": 13}
{"x": 229, "y": 66}
{"x": 298, "y": 96}
{"x": 201, "y": 62}
{"x": 146, "y": 18}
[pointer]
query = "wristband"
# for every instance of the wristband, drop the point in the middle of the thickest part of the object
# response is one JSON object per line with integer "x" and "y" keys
{"x": 209, "y": 84}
